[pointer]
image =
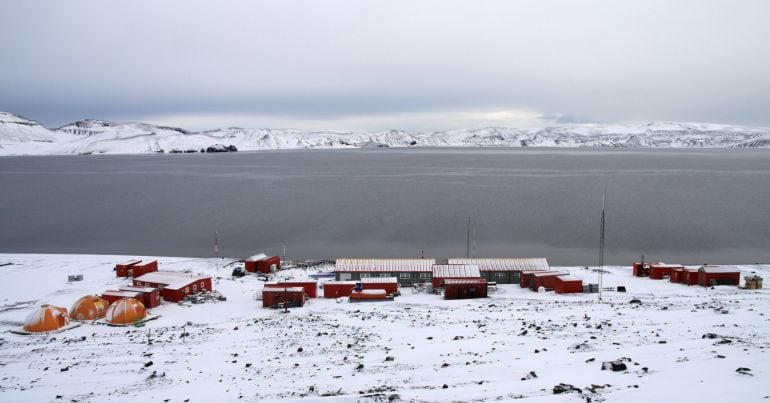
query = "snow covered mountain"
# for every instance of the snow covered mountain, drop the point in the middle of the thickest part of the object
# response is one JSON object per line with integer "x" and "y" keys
{"x": 22, "y": 136}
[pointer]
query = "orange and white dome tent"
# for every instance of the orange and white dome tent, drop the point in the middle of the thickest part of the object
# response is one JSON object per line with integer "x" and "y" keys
{"x": 89, "y": 307}
{"x": 47, "y": 318}
{"x": 125, "y": 311}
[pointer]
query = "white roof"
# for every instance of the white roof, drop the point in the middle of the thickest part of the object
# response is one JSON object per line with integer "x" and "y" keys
{"x": 569, "y": 278}
{"x": 719, "y": 269}
{"x": 130, "y": 262}
{"x": 550, "y": 273}
{"x": 257, "y": 257}
{"x": 173, "y": 280}
{"x": 371, "y": 292}
{"x": 283, "y": 289}
{"x": 350, "y": 282}
{"x": 122, "y": 293}
{"x": 450, "y": 281}
{"x": 138, "y": 289}
{"x": 456, "y": 270}
{"x": 666, "y": 265}
{"x": 384, "y": 265}
{"x": 378, "y": 280}
{"x": 505, "y": 264}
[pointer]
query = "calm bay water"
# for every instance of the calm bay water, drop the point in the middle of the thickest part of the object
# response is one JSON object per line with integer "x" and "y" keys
{"x": 688, "y": 206}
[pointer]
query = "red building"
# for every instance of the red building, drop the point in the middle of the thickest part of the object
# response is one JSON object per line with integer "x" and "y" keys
{"x": 263, "y": 264}
{"x": 546, "y": 280}
{"x": 568, "y": 285}
{"x": 389, "y": 284}
{"x": 149, "y": 296}
{"x": 369, "y": 295}
{"x": 689, "y": 276}
{"x": 293, "y": 296}
{"x": 337, "y": 289}
{"x": 712, "y": 275}
{"x": 121, "y": 269}
{"x": 642, "y": 269}
{"x": 465, "y": 288}
{"x": 443, "y": 272}
{"x": 524, "y": 277}
{"x": 112, "y": 295}
{"x": 660, "y": 270}
{"x": 135, "y": 268}
{"x": 174, "y": 286}
{"x": 310, "y": 286}
{"x": 677, "y": 274}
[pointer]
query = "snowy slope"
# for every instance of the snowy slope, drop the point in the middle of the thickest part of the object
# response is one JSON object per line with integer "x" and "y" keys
{"x": 516, "y": 344}
{"x": 19, "y": 136}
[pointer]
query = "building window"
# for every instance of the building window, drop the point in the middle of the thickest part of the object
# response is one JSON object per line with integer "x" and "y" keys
{"x": 195, "y": 287}
{"x": 499, "y": 275}
{"x": 384, "y": 274}
{"x": 202, "y": 286}
{"x": 424, "y": 276}
{"x": 405, "y": 276}
{"x": 187, "y": 290}
{"x": 365, "y": 275}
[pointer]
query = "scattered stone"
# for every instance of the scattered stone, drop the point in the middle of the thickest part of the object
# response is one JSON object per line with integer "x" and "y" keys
{"x": 530, "y": 375}
{"x": 147, "y": 364}
{"x": 445, "y": 386}
{"x": 635, "y": 301}
{"x": 565, "y": 388}
{"x": 389, "y": 358}
{"x": 744, "y": 371}
{"x": 299, "y": 350}
{"x": 616, "y": 366}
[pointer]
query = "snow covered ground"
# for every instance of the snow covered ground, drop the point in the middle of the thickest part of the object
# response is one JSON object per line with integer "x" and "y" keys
{"x": 22, "y": 136}
{"x": 515, "y": 344}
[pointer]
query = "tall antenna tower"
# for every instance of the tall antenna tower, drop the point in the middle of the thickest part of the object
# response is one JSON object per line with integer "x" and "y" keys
{"x": 474, "y": 239}
{"x": 468, "y": 240}
{"x": 216, "y": 243}
{"x": 601, "y": 250}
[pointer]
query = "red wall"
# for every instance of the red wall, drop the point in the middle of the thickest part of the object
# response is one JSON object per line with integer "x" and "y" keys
{"x": 263, "y": 266}
{"x": 121, "y": 270}
{"x": 463, "y": 291}
{"x": 271, "y": 298}
{"x": 311, "y": 287}
{"x": 390, "y": 288}
{"x": 546, "y": 281}
{"x": 337, "y": 290}
{"x": 568, "y": 286}
{"x": 733, "y": 278}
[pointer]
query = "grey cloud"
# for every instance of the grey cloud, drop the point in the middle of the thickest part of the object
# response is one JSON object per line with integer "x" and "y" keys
{"x": 304, "y": 60}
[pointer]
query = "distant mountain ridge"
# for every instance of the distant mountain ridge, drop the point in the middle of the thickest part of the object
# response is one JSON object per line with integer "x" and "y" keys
{"x": 23, "y": 136}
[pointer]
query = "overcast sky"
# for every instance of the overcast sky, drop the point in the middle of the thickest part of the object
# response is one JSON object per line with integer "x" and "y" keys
{"x": 377, "y": 65}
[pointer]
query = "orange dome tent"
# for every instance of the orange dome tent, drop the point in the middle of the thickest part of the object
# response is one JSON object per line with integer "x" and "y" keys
{"x": 47, "y": 318}
{"x": 89, "y": 307}
{"x": 125, "y": 311}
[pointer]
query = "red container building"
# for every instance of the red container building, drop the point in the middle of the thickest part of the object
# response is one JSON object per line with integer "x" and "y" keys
{"x": 293, "y": 296}
{"x": 149, "y": 296}
{"x": 174, "y": 286}
{"x": 337, "y": 289}
{"x": 310, "y": 286}
{"x": 568, "y": 285}
{"x": 443, "y": 272}
{"x": 677, "y": 275}
{"x": 546, "y": 280}
{"x": 263, "y": 264}
{"x": 121, "y": 269}
{"x": 524, "y": 277}
{"x": 660, "y": 270}
{"x": 113, "y": 295}
{"x": 389, "y": 284}
{"x": 711, "y": 275}
{"x": 689, "y": 276}
{"x": 369, "y": 295}
{"x": 642, "y": 269}
{"x": 465, "y": 288}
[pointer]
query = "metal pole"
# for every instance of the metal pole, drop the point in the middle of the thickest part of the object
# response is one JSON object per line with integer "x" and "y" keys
{"x": 601, "y": 251}
{"x": 468, "y": 240}
{"x": 216, "y": 243}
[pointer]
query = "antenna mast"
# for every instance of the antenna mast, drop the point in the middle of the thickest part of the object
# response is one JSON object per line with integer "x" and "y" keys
{"x": 468, "y": 240}
{"x": 601, "y": 250}
{"x": 216, "y": 243}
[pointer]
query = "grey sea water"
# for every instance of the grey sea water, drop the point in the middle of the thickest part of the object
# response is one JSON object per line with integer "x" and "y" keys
{"x": 690, "y": 206}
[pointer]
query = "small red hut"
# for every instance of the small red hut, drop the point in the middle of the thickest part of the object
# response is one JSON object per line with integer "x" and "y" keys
{"x": 465, "y": 288}
{"x": 568, "y": 285}
{"x": 546, "y": 280}
{"x": 389, "y": 284}
{"x": 149, "y": 296}
{"x": 310, "y": 286}
{"x": 121, "y": 269}
{"x": 293, "y": 296}
{"x": 712, "y": 275}
{"x": 442, "y": 272}
{"x": 337, "y": 289}
{"x": 113, "y": 295}
{"x": 263, "y": 264}
{"x": 660, "y": 270}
